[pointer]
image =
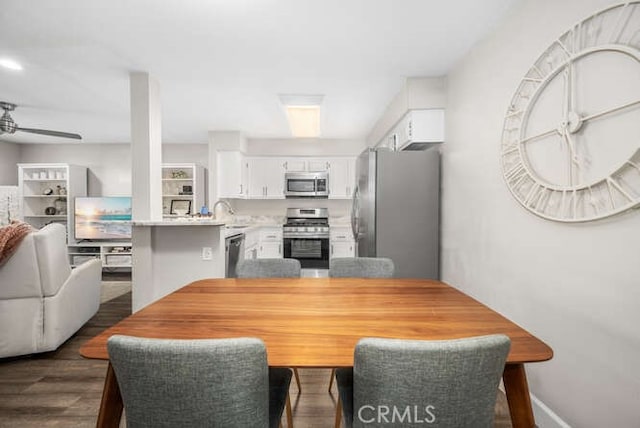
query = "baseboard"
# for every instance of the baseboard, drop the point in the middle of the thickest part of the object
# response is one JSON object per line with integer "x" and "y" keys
{"x": 545, "y": 417}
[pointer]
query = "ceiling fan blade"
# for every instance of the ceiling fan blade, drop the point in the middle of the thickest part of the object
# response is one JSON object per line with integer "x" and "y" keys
{"x": 51, "y": 133}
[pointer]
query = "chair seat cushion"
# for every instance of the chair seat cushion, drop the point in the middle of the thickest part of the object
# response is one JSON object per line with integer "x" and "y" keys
{"x": 279, "y": 381}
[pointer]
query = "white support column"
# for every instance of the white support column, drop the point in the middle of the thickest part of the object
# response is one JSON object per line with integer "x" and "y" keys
{"x": 146, "y": 147}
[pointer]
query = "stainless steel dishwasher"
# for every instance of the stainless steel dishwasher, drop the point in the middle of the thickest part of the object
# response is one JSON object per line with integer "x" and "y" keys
{"x": 233, "y": 253}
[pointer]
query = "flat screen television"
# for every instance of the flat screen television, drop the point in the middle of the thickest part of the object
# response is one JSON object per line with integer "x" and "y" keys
{"x": 103, "y": 218}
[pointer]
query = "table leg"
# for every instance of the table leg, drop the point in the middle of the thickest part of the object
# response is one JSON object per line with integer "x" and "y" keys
{"x": 515, "y": 385}
{"x": 111, "y": 404}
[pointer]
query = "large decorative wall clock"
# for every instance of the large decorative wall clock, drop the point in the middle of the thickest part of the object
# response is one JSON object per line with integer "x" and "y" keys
{"x": 571, "y": 138}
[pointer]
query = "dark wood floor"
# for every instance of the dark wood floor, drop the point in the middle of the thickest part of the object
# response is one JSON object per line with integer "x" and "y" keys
{"x": 62, "y": 389}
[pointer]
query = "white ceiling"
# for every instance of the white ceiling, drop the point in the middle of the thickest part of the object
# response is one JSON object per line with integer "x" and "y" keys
{"x": 222, "y": 63}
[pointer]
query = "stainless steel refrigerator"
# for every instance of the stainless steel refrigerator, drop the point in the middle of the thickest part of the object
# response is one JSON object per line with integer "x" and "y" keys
{"x": 396, "y": 209}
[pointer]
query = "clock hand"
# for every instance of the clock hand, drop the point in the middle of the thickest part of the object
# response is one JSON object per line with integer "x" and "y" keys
{"x": 572, "y": 148}
{"x": 543, "y": 134}
{"x": 612, "y": 110}
{"x": 568, "y": 90}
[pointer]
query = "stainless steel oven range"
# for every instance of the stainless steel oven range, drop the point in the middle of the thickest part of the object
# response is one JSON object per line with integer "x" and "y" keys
{"x": 306, "y": 237}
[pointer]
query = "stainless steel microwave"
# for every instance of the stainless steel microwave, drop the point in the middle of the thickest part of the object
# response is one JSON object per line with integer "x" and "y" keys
{"x": 306, "y": 184}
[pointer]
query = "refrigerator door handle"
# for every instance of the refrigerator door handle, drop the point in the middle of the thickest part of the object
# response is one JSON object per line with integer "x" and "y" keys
{"x": 355, "y": 208}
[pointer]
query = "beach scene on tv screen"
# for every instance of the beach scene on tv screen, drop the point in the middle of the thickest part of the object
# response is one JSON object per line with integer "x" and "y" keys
{"x": 103, "y": 218}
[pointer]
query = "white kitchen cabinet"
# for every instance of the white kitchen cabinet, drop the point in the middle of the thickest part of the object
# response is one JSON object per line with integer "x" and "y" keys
{"x": 251, "y": 242}
{"x": 182, "y": 189}
{"x": 341, "y": 172}
{"x": 232, "y": 170}
{"x": 341, "y": 178}
{"x": 270, "y": 243}
{"x": 341, "y": 242}
{"x": 295, "y": 165}
{"x": 266, "y": 178}
{"x": 342, "y": 249}
{"x": 418, "y": 127}
{"x": 306, "y": 164}
{"x": 47, "y": 193}
{"x": 318, "y": 165}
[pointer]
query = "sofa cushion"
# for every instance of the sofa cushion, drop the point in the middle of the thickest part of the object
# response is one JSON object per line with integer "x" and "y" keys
{"x": 20, "y": 276}
{"x": 53, "y": 259}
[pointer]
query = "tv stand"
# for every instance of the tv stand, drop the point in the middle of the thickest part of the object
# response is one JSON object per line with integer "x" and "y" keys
{"x": 113, "y": 254}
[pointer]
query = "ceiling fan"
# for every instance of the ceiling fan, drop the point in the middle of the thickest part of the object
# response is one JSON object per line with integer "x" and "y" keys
{"x": 8, "y": 126}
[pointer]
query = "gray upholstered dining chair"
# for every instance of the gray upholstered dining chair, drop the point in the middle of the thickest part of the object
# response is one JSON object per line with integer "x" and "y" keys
{"x": 198, "y": 383}
{"x": 361, "y": 267}
{"x": 271, "y": 268}
{"x": 268, "y": 268}
{"x": 452, "y": 383}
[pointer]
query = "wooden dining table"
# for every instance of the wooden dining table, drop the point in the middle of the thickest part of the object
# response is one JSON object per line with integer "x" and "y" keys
{"x": 316, "y": 323}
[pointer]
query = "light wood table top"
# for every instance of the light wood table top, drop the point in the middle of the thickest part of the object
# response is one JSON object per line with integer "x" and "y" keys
{"x": 316, "y": 322}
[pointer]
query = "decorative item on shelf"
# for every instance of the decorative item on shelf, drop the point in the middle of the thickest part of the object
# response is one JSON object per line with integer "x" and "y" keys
{"x": 178, "y": 174}
{"x": 50, "y": 210}
{"x": 61, "y": 206}
{"x": 581, "y": 164}
{"x": 48, "y": 191}
{"x": 61, "y": 190}
{"x": 180, "y": 207}
{"x": 187, "y": 190}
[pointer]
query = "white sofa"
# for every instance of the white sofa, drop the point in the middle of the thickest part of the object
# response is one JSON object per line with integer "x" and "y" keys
{"x": 42, "y": 300}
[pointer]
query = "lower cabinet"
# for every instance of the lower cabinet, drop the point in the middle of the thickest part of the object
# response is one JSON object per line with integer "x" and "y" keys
{"x": 270, "y": 243}
{"x": 251, "y": 239}
{"x": 343, "y": 249}
{"x": 341, "y": 242}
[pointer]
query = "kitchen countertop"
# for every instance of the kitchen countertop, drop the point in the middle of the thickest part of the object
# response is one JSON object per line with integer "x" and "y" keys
{"x": 178, "y": 222}
{"x": 236, "y": 229}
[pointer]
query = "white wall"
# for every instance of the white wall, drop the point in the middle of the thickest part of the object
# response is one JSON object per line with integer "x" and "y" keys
{"x": 577, "y": 287}
{"x": 109, "y": 164}
{"x": 9, "y": 157}
{"x": 416, "y": 93}
{"x": 304, "y": 147}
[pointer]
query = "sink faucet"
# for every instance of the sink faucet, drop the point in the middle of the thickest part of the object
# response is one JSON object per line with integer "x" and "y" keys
{"x": 225, "y": 203}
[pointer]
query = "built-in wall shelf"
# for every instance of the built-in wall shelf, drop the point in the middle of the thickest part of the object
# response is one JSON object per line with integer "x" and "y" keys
{"x": 47, "y": 192}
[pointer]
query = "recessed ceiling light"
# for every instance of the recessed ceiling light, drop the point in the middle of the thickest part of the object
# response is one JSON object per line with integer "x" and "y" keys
{"x": 10, "y": 64}
{"x": 303, "y": 113}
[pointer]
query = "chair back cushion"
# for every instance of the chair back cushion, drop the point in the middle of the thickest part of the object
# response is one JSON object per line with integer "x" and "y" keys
{"x": 447, "y": 384}
{"x": 361, "y": 267}
{"x": 53, "y": 258}
{"x": 192, "y": 383}
{"x": 268, "y": 268}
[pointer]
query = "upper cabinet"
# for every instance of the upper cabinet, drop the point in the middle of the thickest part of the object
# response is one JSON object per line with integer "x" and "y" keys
{"x": 183, "y": 191}
{"x": 415, "y": 129}
{"x": 48, "y": 192}
{"x": 241, "y": 177}
{"x": 266, "y": 178}
{"x": 233, "y": 175}
{"x": 341, "y": 172}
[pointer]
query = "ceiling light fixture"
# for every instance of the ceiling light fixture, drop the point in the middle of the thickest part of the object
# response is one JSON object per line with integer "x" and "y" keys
{"x": 10, "y": 64}
{"x": 303, "y": 113}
